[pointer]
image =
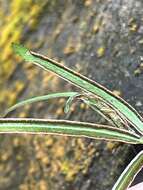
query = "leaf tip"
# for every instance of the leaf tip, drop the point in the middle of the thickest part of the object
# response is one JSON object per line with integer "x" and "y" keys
{"x": 19, "y": 49}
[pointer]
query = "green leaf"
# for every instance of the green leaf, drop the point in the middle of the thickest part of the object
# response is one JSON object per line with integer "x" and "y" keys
{"x": 129, "y": 173}
{"x": 41, "y": 98}
{"x": 70, "y": 128}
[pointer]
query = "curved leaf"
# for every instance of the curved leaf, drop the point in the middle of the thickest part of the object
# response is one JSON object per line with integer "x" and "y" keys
{"x": 129, "y": 173}
{"x": 41, "y": 98}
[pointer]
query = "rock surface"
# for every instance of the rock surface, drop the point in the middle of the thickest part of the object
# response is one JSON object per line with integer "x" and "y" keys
{"x": 100, "y": 39}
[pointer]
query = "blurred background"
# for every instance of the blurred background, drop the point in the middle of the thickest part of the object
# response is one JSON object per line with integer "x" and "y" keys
{"x": 100, "y": 39}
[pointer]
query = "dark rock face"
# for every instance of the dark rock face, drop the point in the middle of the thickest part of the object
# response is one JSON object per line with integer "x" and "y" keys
{"x": 102, "y": 40}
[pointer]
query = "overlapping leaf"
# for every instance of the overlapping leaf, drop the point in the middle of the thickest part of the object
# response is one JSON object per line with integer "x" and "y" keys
{"x": 128, "y": 115}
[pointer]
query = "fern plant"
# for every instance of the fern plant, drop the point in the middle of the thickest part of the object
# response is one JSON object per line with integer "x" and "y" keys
{"x": 126, "y": 125}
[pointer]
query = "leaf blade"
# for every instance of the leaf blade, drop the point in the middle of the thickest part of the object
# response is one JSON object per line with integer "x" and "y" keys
{"x": 41, "y": 98}
{"x": 70, "y": 128}
{"x": 129, "y": 173}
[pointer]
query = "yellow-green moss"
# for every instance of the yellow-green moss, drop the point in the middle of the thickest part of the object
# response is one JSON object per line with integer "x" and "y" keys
{"x": 22, "y": 13}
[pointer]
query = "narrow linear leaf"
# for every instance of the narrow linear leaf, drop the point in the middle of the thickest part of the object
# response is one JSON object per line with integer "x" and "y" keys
{"x": 41, "y": 98}
{"x": 70, "y": 128}
{"x": 130, "y": 114}
{"x": 129, "y": 173}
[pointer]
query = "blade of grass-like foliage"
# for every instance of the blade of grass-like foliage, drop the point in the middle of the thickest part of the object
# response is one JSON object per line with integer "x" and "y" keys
{"x": 70, "y": 128}
{"x": 42, "y": 98}
{"x": 129, "y": 173}
{"x": 129, "y": 113}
